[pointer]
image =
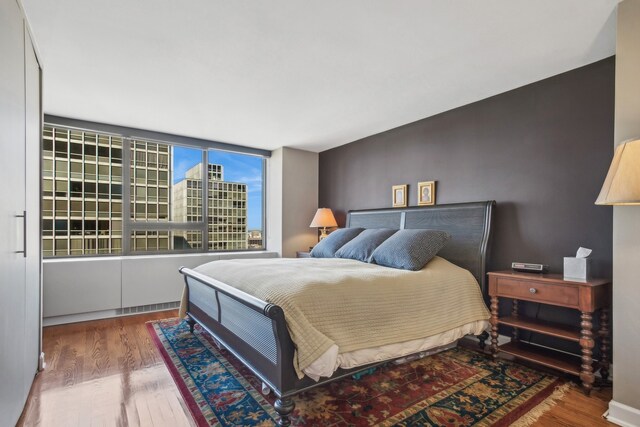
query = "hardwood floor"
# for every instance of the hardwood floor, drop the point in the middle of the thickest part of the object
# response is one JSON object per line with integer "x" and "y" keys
{"x": 576, "y": 409}
{"x": 106, "y": 373}
{"x": 109, "y": 373}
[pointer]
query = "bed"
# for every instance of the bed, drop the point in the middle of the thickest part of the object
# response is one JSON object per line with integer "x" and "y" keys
{"x": 257, "y": 333}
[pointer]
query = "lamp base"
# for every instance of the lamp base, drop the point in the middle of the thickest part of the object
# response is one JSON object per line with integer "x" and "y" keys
{"x": 323, "y": 233}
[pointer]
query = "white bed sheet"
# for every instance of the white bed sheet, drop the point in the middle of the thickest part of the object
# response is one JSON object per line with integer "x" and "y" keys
{"x": 332, "y": 359}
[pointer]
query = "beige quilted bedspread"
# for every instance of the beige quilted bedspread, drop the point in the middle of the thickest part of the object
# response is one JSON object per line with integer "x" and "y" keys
{"x": 355, "y": 305}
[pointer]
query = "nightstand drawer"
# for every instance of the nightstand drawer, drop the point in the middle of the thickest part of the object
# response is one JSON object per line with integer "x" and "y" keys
{"x": 567, "y": 296}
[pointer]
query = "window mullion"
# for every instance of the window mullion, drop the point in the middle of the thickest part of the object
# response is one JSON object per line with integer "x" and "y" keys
{"x": 205, "y": 201}
{"x": 126, "y": 196}
{"x": 264, "y": 204}
{"x": 165, "y": 226}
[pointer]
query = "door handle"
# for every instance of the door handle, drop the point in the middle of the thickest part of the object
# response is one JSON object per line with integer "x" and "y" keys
{"x": 24, "y": 233}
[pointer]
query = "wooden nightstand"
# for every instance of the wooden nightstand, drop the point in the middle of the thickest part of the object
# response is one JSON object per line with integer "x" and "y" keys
{"x": 553, "y": 289}
{"x": 303, "y": 254}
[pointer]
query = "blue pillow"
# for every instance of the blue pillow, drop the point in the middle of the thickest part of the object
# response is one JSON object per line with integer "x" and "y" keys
{"x": 363, "y": 245}
{"x": 410, "y": 249}
{"x": 328, "y": 246}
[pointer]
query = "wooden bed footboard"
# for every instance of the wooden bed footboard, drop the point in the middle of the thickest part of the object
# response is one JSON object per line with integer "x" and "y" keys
{"x": 254, "y": 331}
{"x": 242, "y": 322}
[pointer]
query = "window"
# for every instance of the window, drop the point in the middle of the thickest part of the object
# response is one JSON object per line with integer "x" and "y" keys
{"x": 75, "y": 170}
{"x": 85, "y": 180}
{"x": 76, "y": 189}
{"x": 236, "y": 199}
{"x": 89, "y": 152}
{"x": 89, "y": 171}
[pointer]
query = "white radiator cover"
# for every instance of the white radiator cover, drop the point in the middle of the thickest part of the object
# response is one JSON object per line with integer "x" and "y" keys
{"x": 118, "y": 285}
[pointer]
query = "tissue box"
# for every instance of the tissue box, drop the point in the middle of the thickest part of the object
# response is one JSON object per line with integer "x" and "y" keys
{"x": 577, "y": 268}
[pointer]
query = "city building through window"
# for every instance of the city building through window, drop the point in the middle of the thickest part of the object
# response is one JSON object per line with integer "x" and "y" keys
{"x": 107, "y": 194}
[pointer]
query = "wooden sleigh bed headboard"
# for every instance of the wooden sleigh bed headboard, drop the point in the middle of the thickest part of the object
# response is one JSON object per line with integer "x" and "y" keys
{"x": 469, "y": 225}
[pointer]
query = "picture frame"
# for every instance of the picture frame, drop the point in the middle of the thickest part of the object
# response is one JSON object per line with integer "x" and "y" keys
{"x": 426, "y": 193}
{"x": 399, "y": 196}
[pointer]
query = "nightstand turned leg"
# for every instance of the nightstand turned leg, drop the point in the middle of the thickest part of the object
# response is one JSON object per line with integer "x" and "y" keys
{"x": 586, "y": 342}
{"x": 604, "y": 344}
{"x": 494, "y": 327}
{"x": 514, "y": 313}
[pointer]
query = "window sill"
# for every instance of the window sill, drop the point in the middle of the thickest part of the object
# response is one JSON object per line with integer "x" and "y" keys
{"x": 208, "y": 255}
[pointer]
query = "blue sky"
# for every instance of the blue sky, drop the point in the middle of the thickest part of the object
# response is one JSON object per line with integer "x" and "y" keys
{"x": 236, "y": 167}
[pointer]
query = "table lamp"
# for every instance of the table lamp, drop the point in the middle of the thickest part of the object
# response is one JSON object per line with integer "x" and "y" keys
{"x": 622, "y": 184}
{"x": 323, "y": 218}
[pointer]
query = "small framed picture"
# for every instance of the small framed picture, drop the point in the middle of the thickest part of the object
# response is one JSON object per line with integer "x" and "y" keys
{"x": 399, "y": 198}
{"x": 426, "y": 193}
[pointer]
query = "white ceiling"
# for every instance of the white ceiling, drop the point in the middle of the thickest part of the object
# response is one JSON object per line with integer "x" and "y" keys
{"x": 305, "y": 74}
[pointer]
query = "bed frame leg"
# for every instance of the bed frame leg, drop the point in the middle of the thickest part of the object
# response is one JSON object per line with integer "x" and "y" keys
{"x": 192, "y": 323}
{"x": 265, "y": 389}
{"x": 482, "y": 338}
{"x": 284, "y": 408}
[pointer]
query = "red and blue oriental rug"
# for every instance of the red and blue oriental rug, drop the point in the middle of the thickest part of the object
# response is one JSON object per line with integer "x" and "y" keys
{"x": 458, "y": 387}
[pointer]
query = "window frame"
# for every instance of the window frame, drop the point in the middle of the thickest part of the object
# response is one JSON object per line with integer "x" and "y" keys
{"x": 129, "y": 225}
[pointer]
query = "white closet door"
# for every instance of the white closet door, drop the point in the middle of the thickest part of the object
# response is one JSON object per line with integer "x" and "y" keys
{"x": 33, "y": 197}
{"x": 12, "y": 177}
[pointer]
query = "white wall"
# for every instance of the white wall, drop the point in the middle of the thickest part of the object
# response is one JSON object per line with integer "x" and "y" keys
{"x": 300, "y": 200}
{"x": 274, "y": 201}
{"x": 625, "y": 407}
{"x": 292, "y": 200}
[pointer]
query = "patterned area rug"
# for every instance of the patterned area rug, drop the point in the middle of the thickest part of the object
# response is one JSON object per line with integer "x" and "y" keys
{"x": 458, "y": 387}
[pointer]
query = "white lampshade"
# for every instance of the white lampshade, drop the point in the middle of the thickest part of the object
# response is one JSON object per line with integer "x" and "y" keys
{"x": 324, "y": 218}
{"x": 622, "y": 184}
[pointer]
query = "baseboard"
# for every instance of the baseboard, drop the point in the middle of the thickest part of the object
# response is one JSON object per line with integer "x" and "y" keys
{"x": 623, "y": 415}
{"x": 106, "y": 314}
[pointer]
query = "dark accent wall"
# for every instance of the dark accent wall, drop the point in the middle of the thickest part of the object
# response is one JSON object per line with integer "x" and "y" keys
{"x": 541, "y": 151}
